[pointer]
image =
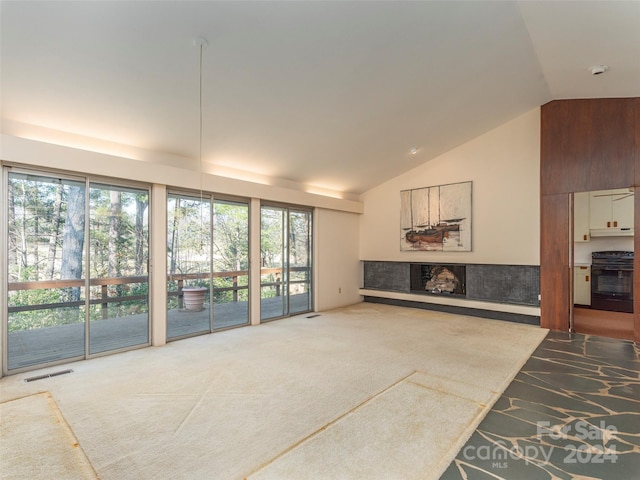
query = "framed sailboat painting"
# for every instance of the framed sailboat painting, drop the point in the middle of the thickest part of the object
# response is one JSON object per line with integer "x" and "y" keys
{"x": 436, "y": 218}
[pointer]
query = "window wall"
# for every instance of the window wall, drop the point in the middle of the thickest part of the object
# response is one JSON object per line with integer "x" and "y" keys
{"x": 76, "y": 265}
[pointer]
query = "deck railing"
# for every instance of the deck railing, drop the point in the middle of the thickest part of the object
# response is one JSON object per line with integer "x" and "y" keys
{"x": 180, "y": 278}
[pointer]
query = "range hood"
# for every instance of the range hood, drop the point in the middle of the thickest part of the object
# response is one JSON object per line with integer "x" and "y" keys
{"x": 611, "y": 232}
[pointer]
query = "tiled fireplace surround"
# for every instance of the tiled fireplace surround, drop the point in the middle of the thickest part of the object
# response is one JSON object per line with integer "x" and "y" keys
{"x": 500, "y": 284}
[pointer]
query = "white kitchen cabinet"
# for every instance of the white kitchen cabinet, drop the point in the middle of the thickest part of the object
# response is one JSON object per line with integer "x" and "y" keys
{"x": 611, "y": 212}
{"x": 622, "y": 208}
{"x": 582, "y": 285}
{"x": 581, "y": 217}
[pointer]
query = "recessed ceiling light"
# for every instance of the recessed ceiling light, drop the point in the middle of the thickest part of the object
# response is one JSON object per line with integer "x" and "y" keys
{"x": 598, "y": 69}
{"x": 414, "y": 150}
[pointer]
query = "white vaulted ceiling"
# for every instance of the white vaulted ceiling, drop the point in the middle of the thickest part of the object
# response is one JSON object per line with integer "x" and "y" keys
{"x": 327, "y": 94}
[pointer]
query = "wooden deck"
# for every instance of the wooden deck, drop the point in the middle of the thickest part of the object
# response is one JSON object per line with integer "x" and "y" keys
{"x": 67, "y": 342}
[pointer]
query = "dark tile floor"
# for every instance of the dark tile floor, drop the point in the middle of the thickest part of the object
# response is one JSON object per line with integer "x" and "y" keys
{"x": 572, "y": 412}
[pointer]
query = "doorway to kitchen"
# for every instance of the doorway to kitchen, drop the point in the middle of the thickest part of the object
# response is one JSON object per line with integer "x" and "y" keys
{"x": 602, "y": 249}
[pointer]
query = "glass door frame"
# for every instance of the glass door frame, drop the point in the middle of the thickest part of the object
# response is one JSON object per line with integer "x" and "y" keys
{"x": 86, "y": 179}
{"x": 308, "y": 281}
{"x": 286, "y": 267}
{"x": 101, "y": 181}
{"x": 230, "y": 199}
{"x": 202, "y": 196}
{"x": 7, "y": 170}
{"x": 212, "y": 198}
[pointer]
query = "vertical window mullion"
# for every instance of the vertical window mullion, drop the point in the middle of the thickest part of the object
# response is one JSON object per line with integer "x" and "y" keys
{"x": 87, "y": 266}
{"x": 211, "y": 262}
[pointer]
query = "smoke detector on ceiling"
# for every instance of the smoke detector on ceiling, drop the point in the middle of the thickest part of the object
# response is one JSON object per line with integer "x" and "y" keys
{"x": 598, "y": 69}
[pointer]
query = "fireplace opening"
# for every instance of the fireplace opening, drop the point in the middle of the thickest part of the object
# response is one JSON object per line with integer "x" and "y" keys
{"x": 438, "y": 279}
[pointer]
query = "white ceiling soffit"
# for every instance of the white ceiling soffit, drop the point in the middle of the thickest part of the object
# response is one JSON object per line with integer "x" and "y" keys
{"x": 328, "y": 94}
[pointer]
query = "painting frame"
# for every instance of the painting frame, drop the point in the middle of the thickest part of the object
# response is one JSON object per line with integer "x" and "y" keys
{"x": 437, "y": 218}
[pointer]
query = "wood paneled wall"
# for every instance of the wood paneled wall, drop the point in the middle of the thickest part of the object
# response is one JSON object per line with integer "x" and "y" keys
{"x": 554, "y": 262}
{"x": 636, "y": 206}
{"x": 587, "y": 145}
{"x": 591, "y": 144}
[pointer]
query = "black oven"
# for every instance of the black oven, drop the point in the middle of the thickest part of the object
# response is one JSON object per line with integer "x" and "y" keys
{"x": 612, "y": 281}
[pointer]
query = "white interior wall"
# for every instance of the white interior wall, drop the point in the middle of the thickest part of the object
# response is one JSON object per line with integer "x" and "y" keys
{"x": 504, "y": 166}
{"x": 336, "y": 253}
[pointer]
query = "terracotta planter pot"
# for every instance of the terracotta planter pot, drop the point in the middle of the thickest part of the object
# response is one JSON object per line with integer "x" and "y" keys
{"x": 194, "y": 298}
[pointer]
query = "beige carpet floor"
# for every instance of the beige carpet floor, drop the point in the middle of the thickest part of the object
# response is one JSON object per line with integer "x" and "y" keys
{"x": 368, "y": 391}
{"x": 36, "y": 442}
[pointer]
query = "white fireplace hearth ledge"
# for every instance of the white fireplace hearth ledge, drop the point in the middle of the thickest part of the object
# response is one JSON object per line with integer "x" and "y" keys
{"x": 453, "y": 301}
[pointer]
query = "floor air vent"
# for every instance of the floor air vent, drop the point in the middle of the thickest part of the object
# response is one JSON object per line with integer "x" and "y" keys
{"x": 47, "y": 375}
{"x": 314, "y": 316}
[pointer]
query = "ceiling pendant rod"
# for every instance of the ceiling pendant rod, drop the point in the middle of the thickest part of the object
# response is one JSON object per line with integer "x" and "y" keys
{"x": 202, "y": 43}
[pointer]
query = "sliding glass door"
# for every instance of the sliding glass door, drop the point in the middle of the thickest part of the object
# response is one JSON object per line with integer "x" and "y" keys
{"x": 299, "y": 261}
{"x": 188, "y": 265}
{"x": 118, "y": 259}
{"x": 285, "y": 275}
{"x": 45, "y": 261}
{"x": 230, "y": 263}
{"x": 77, "y": 279}
{"x": 208, "y": 264}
